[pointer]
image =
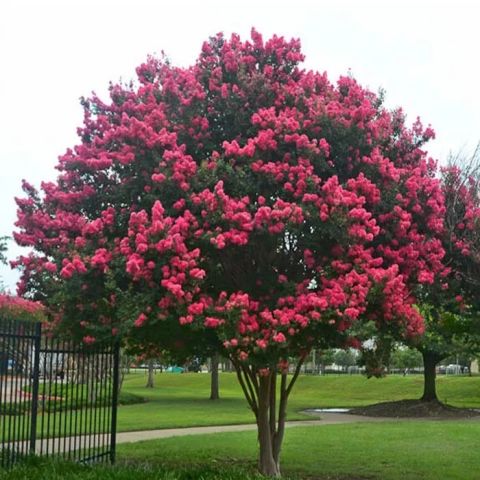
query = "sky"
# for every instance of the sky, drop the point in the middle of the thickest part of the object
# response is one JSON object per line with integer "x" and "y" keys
{"x": 424, "y": 54}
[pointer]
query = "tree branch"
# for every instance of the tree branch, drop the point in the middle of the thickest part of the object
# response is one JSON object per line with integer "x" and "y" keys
{"x": 253, "y": 392}
{"x": 253, "y": 378}
{"x": 273, "y": 397}
{"x": 295, "y": 375}
{"x": 282, "y": 415}
{"x": 250, "y": 400}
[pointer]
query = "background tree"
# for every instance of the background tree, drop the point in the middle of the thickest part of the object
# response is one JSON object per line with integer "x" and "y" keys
{"x": 214, "y": 377}
{"x": 151, "y": 356}
{"x": 405, "y": 358}
{"x": 243, "y": 205}
{"x": 326, "y": 357}
{"x": 446, "y": 334}
{"x": 345, "y": 358}
{"x": 16, "y": 308}
{"x": 3, "y": 258}
{"x": 3, "y": 249}
{"x": 450, "y": 306}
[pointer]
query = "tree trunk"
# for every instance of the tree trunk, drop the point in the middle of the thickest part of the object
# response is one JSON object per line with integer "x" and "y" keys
{"x": 260, "y": 390}
{"x": 266, "y": 460}
{"x": 429, "y": 375}
{"x": 150, "y": 380}
{"x": 214, "y": 390}
{"x": 122, "y": 371}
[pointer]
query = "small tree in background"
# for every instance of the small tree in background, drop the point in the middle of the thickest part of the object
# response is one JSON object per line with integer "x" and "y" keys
{"x": 3, "y": 249}
{"x": 17, "y": 308}
{"x": 3, "y": 258}
{"x": 242, "y": 205}
{"x": 326, "y": 357}
{"x": 150, "y": 355}
{"x": 405, "y": 358}
{"x": 345, "y": 358}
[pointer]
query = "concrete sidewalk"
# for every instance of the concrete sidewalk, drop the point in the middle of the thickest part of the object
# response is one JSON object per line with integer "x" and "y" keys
{"x": 63, "y": 444}
{"x": 99, "y": 440}
{"x": 326, "y": 419}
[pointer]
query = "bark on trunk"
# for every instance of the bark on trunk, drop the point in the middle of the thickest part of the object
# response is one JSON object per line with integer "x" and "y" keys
{"x": 260, "y": 390}
{"x": 150, "y": 380}
{"x": 266, "y": 461}
{"x": 429, "y": 377}
{"x": 214, "y": 384}
{"x": 123, "y": 370}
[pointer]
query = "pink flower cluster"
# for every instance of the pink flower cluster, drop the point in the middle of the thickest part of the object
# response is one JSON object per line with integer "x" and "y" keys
{"x": 18, "y": 308}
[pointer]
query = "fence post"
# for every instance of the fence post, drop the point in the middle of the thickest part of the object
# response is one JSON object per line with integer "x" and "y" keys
{"x": 116, "y": 375}
{"x": 36, "y": 377}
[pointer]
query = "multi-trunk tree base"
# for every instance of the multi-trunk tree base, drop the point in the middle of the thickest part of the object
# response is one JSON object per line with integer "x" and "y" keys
{"x": 261, "y": 391}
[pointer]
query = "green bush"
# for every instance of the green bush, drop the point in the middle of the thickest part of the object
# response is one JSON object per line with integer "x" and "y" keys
{"x": 66, "y": 398}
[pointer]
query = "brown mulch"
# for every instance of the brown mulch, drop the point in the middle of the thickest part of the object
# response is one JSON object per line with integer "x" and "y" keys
{"x": 414, "y": 409}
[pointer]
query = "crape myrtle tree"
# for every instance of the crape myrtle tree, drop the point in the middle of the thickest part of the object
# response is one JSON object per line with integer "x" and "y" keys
{"x": 450, "y": 307}
{"x": 245, "y": 200}
{"x": 450, "y": 304}
{"x": 17, "y": 308}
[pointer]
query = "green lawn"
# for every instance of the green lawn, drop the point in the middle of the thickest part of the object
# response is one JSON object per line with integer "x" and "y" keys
{"x": 390, "y": 451}
{"x": 181, "y": 400}
{"x": 411, "y": 450}
{"x": 45, "y": 470}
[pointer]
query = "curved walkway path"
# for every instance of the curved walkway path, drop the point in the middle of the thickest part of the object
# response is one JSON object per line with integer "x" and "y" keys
{"x": 326, "y": 419}
{"x": 63, "y": 444}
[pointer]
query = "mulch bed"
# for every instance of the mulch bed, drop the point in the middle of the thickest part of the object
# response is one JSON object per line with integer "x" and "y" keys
{"x": 414, "y": 409}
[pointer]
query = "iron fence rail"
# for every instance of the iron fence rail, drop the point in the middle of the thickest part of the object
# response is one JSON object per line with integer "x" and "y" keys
{"x": 56, "y": 397}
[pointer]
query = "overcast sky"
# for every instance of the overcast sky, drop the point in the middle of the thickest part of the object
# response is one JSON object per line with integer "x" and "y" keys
{"x": 424, "y": 54}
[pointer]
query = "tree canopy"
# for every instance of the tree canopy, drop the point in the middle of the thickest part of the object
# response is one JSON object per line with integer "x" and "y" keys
{"x": 245, "y": 200}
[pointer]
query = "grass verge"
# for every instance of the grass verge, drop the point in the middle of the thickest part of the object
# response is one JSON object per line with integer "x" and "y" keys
{"x": 401, "y": 450}
{"x": 414, "y": 450}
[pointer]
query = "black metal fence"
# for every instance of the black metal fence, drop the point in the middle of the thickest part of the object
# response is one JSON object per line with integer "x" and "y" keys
{"x": 56, "y": 397}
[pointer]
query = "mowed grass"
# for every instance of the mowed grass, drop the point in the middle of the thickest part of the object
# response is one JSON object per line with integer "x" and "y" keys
{"x": 55, "y": 470}
{"x": 182, "y": 400}
{"x": 408, "y": 450}
{"x": 387, "y": 451}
